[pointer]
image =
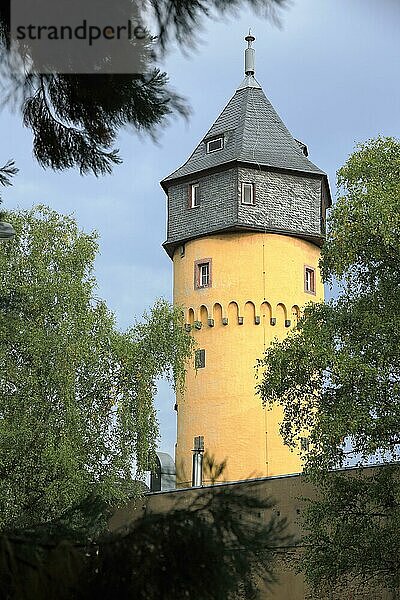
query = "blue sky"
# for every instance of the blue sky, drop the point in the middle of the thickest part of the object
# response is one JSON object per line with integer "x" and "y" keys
{"x": 332, "y": 73}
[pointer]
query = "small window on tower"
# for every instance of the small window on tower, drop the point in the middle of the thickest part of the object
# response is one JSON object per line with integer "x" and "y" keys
{"x": 309, "y": 280}
{"x": 215, "y": 144}
{"x": 194, "y": 195}
{"x": 247, "y": 193}
{"x": 202, "y": 273}
{"x": 200, "y": 359}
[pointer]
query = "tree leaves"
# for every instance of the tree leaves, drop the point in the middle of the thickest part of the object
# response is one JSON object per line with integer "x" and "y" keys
{"x": 337, "y": 375}
{"x": 362, "y": 240}
{"x": 76, "y": 395}
{"x": 75, "y": 118}
{"x": 7, "y": 172}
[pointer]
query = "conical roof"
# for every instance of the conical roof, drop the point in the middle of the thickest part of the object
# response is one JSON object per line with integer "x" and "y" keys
{"x": 253, "y": 133}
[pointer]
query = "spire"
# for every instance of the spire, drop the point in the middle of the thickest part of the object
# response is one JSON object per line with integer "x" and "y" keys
{"x": 249, "y": 62}
{"x": 249, "y": 55}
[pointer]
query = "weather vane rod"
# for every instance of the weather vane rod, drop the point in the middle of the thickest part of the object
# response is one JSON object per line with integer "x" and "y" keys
{"x": 249, "y": 55}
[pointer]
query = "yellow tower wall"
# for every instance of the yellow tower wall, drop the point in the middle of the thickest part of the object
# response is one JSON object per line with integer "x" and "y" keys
{"x": 253, "y": 275}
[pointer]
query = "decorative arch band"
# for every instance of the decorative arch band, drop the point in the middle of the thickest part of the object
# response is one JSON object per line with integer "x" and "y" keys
{"x": 244, "y": 313}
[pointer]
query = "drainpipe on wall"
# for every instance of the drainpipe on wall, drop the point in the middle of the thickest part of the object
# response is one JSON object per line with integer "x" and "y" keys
{"x": 197, "y": 470}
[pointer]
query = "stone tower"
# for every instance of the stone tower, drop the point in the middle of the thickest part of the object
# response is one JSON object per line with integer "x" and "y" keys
{"x": 246, "y": 215}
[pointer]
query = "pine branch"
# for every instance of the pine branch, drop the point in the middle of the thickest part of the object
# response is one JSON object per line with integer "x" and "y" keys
{"x": 181, "y": 20}
{"x": 7, "y": 172}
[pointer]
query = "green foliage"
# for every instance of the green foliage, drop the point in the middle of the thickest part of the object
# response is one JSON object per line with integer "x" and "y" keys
{"x": 75, "y": 119}
{"x": 216, "y": 546}
{"x": 76, "y": 395}
{"x": 337, "y": 375}
{"x": 363, "y": 238}
{"x": 354, "y": 527}
{"x": 7, "y": 172}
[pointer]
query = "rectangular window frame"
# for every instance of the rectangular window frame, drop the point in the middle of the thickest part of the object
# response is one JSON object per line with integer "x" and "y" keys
{"x": 194, "y": 195}
{"x": 309, "y": 282}
{"x": 211, "y": 141}
{"x": 199, "y": 274}
{"x": 204, "y": 275}
{"x": 244, "y": 184}
{"x": 200, "y": 359}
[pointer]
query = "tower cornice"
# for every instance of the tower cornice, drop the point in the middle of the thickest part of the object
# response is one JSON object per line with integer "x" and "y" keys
{"x": 317, "y": 240}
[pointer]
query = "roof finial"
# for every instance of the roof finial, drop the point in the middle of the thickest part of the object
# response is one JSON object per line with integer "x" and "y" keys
{"x": 249, "y": 55}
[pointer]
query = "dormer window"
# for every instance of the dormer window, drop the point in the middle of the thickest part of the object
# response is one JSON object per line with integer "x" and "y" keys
{"x": 215, "y": 144}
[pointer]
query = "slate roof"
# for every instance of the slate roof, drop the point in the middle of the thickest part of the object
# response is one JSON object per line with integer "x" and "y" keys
{"x": 253, "y": 133}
